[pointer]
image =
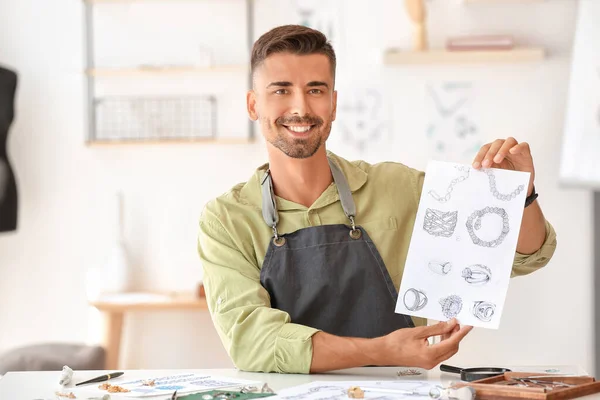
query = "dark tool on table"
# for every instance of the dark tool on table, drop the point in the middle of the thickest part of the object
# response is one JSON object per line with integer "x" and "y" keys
{"x": 473, "y": 374}
{"x": 102, "y": 378}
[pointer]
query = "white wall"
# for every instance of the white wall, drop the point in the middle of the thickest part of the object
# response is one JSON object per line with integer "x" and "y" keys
{"x": 67, "y": 190}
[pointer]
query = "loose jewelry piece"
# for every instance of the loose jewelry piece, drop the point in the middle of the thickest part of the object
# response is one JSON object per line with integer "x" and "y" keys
{"x": 477, "y": 274}
{"x": 451, "y": 306}
{"x": 440, "y": 223}
{"x": 484, "y": 310}
{"x": 474, "y": 221}
{"x": 409, "y": 372}
{"x": 494, "y": 190}
{"x": 453, "y": 183}
{"x": 414, "y": 300}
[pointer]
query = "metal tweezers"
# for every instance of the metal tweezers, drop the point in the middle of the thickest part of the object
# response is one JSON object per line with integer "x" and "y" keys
{"x": 174, "y": 396}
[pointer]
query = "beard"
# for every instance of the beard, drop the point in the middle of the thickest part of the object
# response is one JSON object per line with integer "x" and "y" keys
{"x": 300, "y": 147}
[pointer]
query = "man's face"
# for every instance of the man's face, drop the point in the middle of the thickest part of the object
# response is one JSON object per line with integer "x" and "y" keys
{"x": 294, "y": 100}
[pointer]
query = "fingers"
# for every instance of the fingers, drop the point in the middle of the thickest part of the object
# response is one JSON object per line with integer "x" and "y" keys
{"x": 497, "y": 151}
{"x": 521, "y": 149}
{"x": 504, "y": 150}
{"x": 451, "y": 344}
{"x": 440, "y": 328}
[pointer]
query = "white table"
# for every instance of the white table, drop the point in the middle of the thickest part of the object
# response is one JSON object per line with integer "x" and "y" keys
{"x": 42, "y": 385}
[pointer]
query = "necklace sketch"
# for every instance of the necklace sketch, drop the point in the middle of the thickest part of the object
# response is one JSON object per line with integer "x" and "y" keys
{"x": 451, "y": 305}
{"x": 494, "y": 189}
{"x": 415, "y": 300}
{"x": 477, "y": 274}
{"x": 474, "y": 221}
{"x": 440, "y": 268}
{"x": 484, "y": 310}
{"x": 440, "y": 223}
{"x": 453, "y": 183}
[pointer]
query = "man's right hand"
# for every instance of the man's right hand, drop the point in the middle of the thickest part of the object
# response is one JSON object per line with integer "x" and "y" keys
{"x": 410, "y": 346}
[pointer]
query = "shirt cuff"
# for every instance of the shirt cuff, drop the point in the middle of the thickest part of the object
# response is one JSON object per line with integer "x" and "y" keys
{"x": 527, "y": 263}
{"x": 293, "y": 349}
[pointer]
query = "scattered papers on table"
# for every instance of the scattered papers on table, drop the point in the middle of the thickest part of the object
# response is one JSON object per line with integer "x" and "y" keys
{"x": 166, "y": 385}
{"x": 339, "y": 390}
{"x": 463, "y": 244}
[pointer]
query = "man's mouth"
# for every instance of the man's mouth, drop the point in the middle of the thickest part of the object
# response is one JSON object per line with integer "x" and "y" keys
{"x": 299, "y": 129}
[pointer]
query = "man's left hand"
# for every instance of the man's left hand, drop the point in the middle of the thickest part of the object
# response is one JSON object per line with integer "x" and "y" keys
{"x": 507, "y": 154}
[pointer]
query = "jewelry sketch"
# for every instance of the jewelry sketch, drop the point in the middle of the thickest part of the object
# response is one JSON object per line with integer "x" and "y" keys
{"x": 451, "y": 305}
{"x": 440, "y": 268}
{"x": 474, "y": 221}
{"x": 494, "y": 190}
{"x": 415, "y": 300}
{"x": 477, "y": 274}
{"x": 451, "y": 127}
{"x": 453, "y": 183}
{"x": 484, "y": 310}
{"x": 440, "y": 223}
{"x": 361, "y": 118}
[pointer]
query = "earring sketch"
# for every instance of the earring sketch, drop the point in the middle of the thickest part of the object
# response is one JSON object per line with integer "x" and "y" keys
{"x": 440, "y": 223}
{"x": 453, "y": 183}
{"x": 484, "y": 310}
{"x": 451, "y": 306}
{"x": 477, "y": 274}
{"x": 414, "y": 300}
{"x": 494, "y": 190}
{"x": 474, "y": 221}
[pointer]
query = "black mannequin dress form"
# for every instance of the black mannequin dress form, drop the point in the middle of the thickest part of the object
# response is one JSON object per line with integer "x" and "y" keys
{"x": 8, "y": 186}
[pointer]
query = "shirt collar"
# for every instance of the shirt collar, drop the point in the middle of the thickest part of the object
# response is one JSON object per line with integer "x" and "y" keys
{"x": 356, "y": 176}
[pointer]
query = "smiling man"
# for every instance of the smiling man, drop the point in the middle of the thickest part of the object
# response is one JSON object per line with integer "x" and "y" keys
{"x": 302, "y": 262}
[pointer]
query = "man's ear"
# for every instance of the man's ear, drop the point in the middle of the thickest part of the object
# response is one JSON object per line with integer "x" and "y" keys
{"x": 333, "y": 114}
{"x": 251, "y": 105}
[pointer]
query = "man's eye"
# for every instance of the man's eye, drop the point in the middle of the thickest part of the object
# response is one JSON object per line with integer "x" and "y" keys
{"x": 280, "y": 91}
{"x": 316, "y": 91}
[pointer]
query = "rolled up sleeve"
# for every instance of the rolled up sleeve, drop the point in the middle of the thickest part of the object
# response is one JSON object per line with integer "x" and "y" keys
{"x": 527, "y": 263}
{"x": 256, "y": 336}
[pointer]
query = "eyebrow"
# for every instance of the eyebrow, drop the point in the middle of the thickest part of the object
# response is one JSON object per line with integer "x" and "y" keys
{"x": 287, "y": 84}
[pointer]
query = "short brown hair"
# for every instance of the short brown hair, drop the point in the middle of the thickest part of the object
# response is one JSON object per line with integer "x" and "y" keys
{"x": 295, "y": 39}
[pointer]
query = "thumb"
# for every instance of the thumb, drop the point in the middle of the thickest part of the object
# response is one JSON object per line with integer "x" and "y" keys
{"x": 438, "y": 329}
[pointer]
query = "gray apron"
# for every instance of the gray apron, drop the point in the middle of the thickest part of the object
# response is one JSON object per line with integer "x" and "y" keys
{"x": 329, "y": 277}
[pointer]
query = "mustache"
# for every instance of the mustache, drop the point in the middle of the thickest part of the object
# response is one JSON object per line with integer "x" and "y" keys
{"x": 307, "y": 119}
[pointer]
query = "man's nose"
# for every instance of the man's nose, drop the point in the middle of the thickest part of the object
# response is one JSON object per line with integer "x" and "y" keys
{"x": 299, "y": 105}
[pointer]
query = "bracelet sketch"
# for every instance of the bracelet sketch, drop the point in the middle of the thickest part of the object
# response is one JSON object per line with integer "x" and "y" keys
{"x": 484, "y": 310}
{"x": 474, "y": 221}
{"x": 453, "y": 183}
{"x": 440, "y": 223}
{"x": 477, "y": 274}
{"x": 494, "y": 190}
{"x": 440, "y": 268}
{"x": 451, "y": 305}
{"x": 415, "y": 300}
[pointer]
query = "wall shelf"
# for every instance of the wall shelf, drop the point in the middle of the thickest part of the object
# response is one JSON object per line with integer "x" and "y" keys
{"x": 98, "y": 72}
{"x": 442, "y": 56}
{"x": 501, "y": 1}
{"x": 129, "y": 142}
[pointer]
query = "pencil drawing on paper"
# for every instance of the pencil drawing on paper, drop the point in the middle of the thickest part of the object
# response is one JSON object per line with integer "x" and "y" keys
{"x": 484, "y": 310}
{"x": 460, "y": 178}
{"x": 477, "y": 274}
{"x": 440, "y": 223}
{"x": 496, "y": 193}
{"x": 474, "y": 223}
{"x": 361, "y": 117}
{"x": 440, "y": 268}
{"x": 414, "y": 299}
{"x": 451, "y": 305}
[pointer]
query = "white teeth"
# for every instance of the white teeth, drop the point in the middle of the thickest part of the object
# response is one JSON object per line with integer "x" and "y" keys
{"x": 299, "y": 129}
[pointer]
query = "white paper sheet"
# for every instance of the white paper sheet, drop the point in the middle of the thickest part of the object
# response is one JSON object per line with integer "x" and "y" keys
{"x": 166, "y": 385}
{"x": 463, "y": 244}
{"x": 339, "y": 390}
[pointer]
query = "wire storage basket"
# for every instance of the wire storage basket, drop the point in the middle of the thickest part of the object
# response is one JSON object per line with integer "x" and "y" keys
{"x": 139, "y": 119}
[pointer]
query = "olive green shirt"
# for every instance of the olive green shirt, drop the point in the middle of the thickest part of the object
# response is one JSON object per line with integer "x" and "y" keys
{"x": 234, "y": 238}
